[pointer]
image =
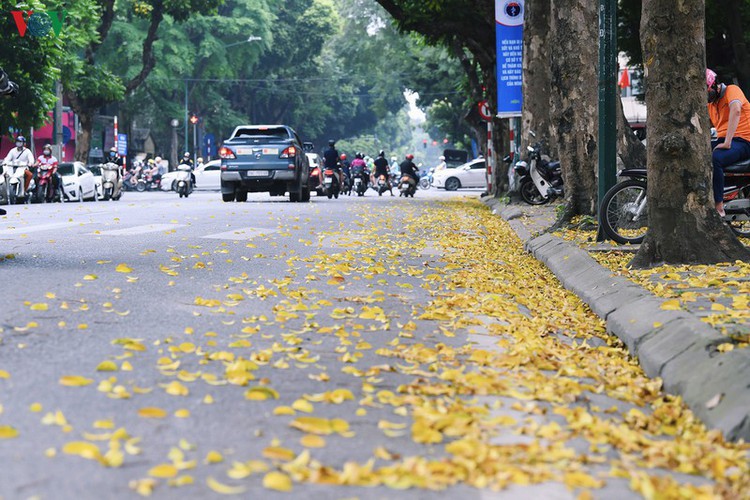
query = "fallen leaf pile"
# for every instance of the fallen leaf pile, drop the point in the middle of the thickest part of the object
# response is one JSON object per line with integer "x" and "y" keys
{"x": 428, "y": 351}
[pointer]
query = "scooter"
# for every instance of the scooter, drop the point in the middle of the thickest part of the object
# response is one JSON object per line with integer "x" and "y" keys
{"x": 425, "y": 182}
{"x": 407, "y": 186}
{"x": 45, "y": 192}
{"x": 331, "y": 183}
{"x": 346, "y": 187}
{"x": 540, "y": 179}
{"x": 7, "y": 172}
{"x": 111, "y": 182}
{"x": 382, "y": 185}
{"x": 360, "y": 184}
{"x": 17, "y": 183}
{"x": 184, "y": 184}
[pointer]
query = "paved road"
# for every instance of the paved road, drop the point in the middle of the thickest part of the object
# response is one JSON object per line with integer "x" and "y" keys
{"x": 157, "y": 341}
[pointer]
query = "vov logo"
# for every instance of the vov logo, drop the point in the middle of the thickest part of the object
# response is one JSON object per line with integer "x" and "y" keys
{"x": 40, "y": 23}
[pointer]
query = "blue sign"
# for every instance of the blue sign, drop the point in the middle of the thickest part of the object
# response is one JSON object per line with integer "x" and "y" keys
{"x": 209, "y": 145}
{"x": 67, "y": 134}
{"x": 122, "y": 144}
{"x": 509, "y": 37}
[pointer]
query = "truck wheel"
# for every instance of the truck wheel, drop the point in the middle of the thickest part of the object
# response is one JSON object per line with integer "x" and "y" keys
{"x": 227, "y": 197}
{"x": 241, "y": 196}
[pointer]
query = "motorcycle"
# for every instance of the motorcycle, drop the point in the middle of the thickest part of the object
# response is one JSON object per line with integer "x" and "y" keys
{"x": 184, "y": 180}
{"x": 111, "y": 183}
{"x": 540, "y": 179}
{"x": 331, "y": 183}
{"x": 131, "y": 180}
{"x": 149, "y": 183}
{"x": 407, "y": 186}
{"x": 346, "y": 187}
{"x": 425, "y": 182}
{"x": 361, "y": 180}
{"x": 45, "y": 191}
{"x": 16, "y": 182}
{"x": 382, "y": 185}
{"x": 623, "y": 215}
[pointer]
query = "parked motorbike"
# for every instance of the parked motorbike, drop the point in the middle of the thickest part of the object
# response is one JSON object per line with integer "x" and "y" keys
{"x": 407, "y": 186}
{"x": 183, "y": 180}
{"x": 623, "y": 214}
{"x": 112, "y": 184}
{"x": 45, "y": 186}
{"x": 16, "y": 182}
{"x": 331, "y": 183}
{"x": 540, "y": 179}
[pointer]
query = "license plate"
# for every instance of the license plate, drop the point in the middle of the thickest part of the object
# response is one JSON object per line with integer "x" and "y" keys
{"x": 244, "y": 151}
{"x": 328, "y": 181}
{"x": 270, "y": 151}
{"x": 257, "y": 173}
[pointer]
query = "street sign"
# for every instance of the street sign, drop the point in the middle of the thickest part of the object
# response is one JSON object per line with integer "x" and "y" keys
{"x": 122, "y": 144}
{"x": 509, "y": 37}
{"x": 484, "y": 111}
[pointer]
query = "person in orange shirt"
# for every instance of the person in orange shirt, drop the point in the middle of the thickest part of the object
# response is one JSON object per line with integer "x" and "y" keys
{"x": 729, "y": 111}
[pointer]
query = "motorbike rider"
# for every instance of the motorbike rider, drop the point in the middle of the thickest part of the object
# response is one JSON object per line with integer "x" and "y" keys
{"x": 382, "y": 168}
{"x": 22, "y": 155}
{"x": 359, "y": 168}
{"x": 409, "y": 169}
{"x": 50, "y": 161}
{"x": 152, "y": 171}
{"x": 345, "y": 168}
{"x": 186, "y": 160}
{"x": 729, "y": 111}
{"x": 331, "y": 159}
{"x": 442, "y": 165}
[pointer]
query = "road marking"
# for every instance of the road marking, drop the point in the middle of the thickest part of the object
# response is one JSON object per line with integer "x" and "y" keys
{"x": 132, "y": 231}
{"x": 243, "y": 233}
{"x": 15, "y": 230}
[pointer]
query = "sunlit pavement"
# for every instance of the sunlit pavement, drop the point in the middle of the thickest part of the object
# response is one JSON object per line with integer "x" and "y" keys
{"x": 370, "y": 347}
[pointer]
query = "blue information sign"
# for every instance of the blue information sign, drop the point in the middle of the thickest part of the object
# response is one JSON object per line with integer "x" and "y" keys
{"x": 509, "y": 29}
{"x": 122, "y": 144}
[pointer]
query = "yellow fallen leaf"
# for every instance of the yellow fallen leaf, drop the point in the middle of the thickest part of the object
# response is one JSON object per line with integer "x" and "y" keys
{"x": 39, "y": 307}
{"x": 261, "y": 393}
{"x": 4, "y": 374}
{"x": 182, "y": 413}
{"x": 75, "y": 381}
{"x": 107, "y": 366}
{"x": 82, "y": 449}
{"x": 90, "y": 277}
{"x": 278, "y": 481}
{"x": 312, "y": 441}
{"x": 223, "y": 488}
{"x": 214, "y": 457}
{"x": 7, "y": 432}
{"x": 671, "y": 305}
{"x": 123, "y": 268}
{"x": 150, "y": 412}
{"x": 163, "y": 471}
{"x": 278, "y": 453}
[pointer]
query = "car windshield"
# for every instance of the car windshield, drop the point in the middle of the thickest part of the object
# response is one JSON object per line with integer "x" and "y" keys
{"x": 65, "y": 169}
{"x": 95, "y": 169}
{"x": 266, "y": 133}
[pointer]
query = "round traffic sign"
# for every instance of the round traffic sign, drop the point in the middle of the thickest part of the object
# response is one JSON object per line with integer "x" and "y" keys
{"x": 484, "y": 111}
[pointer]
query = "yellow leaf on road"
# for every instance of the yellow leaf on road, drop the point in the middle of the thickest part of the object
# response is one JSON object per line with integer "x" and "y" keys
{"x": 75, "y": 381}
{"x": 82, "y": 449}
{"x": 261, "y": 393}
{"x": 163, "y": 471}
{"x": 123, "y": 268}
{"x": 223, "y": 488}
{"x": 7, "y": 432}
{"x": 277, "y": 481}
{"x": 312, "y": 441}
{"x": 107, "y": 366}
{"x": 151, "y": 412}
{"x": 671, "y": 305}
{"x": 39, "y": 307}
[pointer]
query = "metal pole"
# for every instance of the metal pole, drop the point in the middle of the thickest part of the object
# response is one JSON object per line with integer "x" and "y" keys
{"x": 195, "y": 142}
{"x": 186, "y": 115}
{"x": 57, "y": 140}
{"x": 607, "y": 99}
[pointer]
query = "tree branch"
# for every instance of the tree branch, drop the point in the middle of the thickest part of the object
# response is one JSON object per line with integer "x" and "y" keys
{"x": 108, "y": 16}
{"x": 148, "y": 59}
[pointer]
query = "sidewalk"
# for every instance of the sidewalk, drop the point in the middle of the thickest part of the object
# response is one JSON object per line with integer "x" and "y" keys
{"x": 687, "y": 325}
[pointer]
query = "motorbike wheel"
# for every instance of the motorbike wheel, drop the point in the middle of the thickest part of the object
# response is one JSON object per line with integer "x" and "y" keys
{"x": 617, "y": 210}
{"x": 330, "y": 195}
{"x": 531, "y": 194}
{"x": 107, "y": 194}
{"x": 740, "y": 227}
{"x": 424, "y": 183}
{"x": 140, "y": 187}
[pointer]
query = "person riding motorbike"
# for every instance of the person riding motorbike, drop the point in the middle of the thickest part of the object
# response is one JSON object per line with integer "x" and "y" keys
{"x": 331, "y": 160}
{"x": 729, "y": 111}
{"x": 187, "y": 161}
{"x": 409, "y": 169}
{"x": 382, "y": 168}
{"x": 50, "y": 161}
{"x": 442, "y": 165}
{"x": 345, "y": 169}
{"x": 152, "y": 172}
{"x": 22, "y": 155}
{"x": 359, "y": 169}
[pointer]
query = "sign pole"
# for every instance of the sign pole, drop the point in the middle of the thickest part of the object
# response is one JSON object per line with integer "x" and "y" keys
{"x": 607, "y": 100}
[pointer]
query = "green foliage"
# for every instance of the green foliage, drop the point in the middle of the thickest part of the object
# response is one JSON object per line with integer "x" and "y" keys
{"x": 32, "y": 63}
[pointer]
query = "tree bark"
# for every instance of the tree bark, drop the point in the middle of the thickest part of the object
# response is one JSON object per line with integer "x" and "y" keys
{"x": 684, "y": 227}
{"x": 536, "y": 76}
{"x": 83, "y": 139}
{"x": 574, "y": 61}
{"x": 631, "y": 151}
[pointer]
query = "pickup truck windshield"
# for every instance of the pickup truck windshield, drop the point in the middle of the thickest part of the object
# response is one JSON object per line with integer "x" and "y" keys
{"x": 270, "y": 133}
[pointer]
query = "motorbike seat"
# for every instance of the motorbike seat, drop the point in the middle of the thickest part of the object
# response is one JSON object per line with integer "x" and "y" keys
{"x": 739, "y": 167}
{"x": 553, "y": 165}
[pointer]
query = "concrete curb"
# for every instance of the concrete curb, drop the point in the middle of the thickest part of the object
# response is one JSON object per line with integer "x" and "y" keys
{"x": 673, "y": 345}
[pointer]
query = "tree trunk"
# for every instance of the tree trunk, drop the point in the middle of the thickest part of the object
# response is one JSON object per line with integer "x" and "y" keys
{"x": 631, "y": 151}
{"x": 574, "y": 61}
{"x": 83, "y": 139}
{"x": 536, "y": 76}
{"x": 684, "y": 227}
{"x": 732, "y": 10}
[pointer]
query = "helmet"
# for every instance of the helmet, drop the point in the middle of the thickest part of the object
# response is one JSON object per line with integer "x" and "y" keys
{"x": 393, "y": 158}
{"x": 21, "y": 138}
{"x": 186, "y": 155}
{"x": 710, "y": 78}
{"x": 200, "y": 159}
{"x": 442, "y": 158}
{"x": 410, "y": 156}
{"x": 381, "y": 154}
{"x": 343, "y": 157}
{"x": 359, "y": 156}
{"x": 331, "y": 143}
{"x": 112, "y": 151}
{"x": 151, "y": 161}
{"x": 47, "y": 147}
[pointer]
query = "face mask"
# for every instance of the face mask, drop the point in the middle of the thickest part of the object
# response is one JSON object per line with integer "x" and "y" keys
{"x": 47, "y": 152}
{"x": 19, "y": 145}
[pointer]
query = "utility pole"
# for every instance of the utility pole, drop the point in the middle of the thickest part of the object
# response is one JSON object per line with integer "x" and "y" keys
{"x": 57, "y": 137}
{"x": 607, "y": 100}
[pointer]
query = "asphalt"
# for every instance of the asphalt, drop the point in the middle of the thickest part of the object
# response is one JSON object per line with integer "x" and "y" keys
{"x": 674, "y": 345}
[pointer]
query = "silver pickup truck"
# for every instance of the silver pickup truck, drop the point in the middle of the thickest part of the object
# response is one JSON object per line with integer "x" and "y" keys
{"x": 264, "y": 158}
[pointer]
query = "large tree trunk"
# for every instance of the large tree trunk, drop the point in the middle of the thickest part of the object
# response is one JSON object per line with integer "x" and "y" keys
{"x": 631, "y": 151}
{"x": 574, "y": 60}
{"x": 684, "y": 227}
{"x": 83, "y": 139}
{"x": 536, "y": 76}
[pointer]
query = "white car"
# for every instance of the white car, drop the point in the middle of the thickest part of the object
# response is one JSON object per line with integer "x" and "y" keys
{"x": 207, "y": 177}
{"x": 96, "y": 170}
{"x": 78, "y": 181}
{"x": 468, "y": 175}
